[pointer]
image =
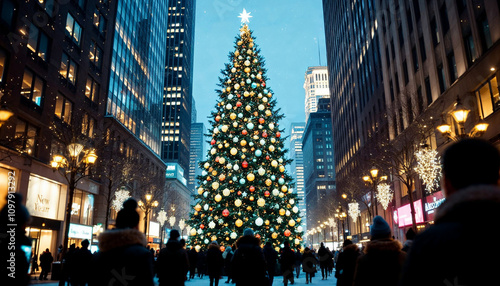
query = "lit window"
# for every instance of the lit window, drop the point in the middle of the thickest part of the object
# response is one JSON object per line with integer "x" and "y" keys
{"x": 33, "y": 87}
{"x": 38, "y": 42}
{"x": 73, "y": 29}
{"x": 64, "y": 109}
{"x": 68, "y": 68}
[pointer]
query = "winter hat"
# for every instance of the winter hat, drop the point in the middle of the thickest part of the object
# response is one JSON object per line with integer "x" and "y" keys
{"x": 128, "y": 217}
{"x": 248, "y": 231}
{"x": 380, "y": 228}
{"x": 174, "y": 234}
{"x": 347, "y": 242}
{"x": 410, "y": 234}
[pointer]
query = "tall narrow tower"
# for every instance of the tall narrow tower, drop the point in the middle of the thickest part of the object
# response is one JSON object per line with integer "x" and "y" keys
{"x": 316, "y": 87}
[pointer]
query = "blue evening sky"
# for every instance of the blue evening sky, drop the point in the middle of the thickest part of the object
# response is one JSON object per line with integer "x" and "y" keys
{"x": 288, "y": 33}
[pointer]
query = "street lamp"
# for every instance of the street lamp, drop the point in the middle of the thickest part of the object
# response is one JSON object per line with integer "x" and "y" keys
{"x": 373, "y": 180}
{"x": 161, "y": 217}
{"x": 73, "y": 167}
{"x": 147, "y": 207}
{"x": 460, "y": 114}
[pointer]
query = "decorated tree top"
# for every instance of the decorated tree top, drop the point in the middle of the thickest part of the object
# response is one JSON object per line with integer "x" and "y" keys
{"x": 244, "y": 183}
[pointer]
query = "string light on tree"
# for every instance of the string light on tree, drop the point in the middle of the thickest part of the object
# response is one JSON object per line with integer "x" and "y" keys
{"x": 384, "y": 194}
{"x": 120, "y": 196}
{"x": 428, "y": 168}
{"x": 354, "y": 210}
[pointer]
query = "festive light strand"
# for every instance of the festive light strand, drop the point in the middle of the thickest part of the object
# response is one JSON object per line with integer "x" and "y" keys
{"x": 384, "y": 195}
{"x": 428, "y": 168}
{"x": 354, "y": 210}
{"x": 120, "y": 197}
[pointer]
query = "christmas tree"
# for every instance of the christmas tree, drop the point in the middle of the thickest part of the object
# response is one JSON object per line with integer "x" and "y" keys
{"x": 244, "y": 183}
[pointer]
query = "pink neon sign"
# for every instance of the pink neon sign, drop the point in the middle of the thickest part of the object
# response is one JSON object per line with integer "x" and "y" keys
{"x": 404, "y": 214}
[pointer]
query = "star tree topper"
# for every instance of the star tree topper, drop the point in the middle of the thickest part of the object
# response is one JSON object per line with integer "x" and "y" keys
{"x": 245, "y": 16}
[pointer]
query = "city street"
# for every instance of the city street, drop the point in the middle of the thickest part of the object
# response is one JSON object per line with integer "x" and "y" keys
{"x": 278, "y": 280}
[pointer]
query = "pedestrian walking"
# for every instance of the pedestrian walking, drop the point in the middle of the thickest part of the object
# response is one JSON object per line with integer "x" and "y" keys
{"x": 346, "y": 263}
{"x": 383, "y": 259}
{"x": 228, "y": 256}
{"x": 330, "y": 263}
{"x": 249, "y": 265}
{"x": 324, "y": 258}
{"x": 298, "y": 262}
{"x": 123, "y": 258}
{"x": 193, "y": 257}
{"x": 410, "y": 236}
{"x": 173, "y": 262}
{"x": 215, "y": 262}
{"x": 202, "y": 263}
{"x": 82, "y": 260}
{"x": 309, "y": 263}
{"x": 287, "y": 261}
{"x": 14, "y": 224}
{"x": 470, "y": 183}
{"x": 271, "y": 257}
{"x": 45, "y": 263}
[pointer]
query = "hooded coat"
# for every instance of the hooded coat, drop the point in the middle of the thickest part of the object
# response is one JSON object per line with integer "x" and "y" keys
{"x": 173, "y": 264}
{"x": 346, "y": 265}
{"x": 215, "y": 262}
{"x": 381, "y": 264}
{"x": 437, "y": 257}
{"x": 122, "y": 259}
{"x": 249, "y": 265}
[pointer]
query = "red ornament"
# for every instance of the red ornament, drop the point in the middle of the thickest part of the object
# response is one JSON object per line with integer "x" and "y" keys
{"x": 244, "y": 132}
{"x": 264, "y": 134}
{"x": 257, "y": 235}
{"x": 278, "y": 135}
{"x": 212, "y": 142}
{"x": 263, "y": 84}
{"x": 238, "y": 95}
{"x": 217, "y": 118}
{"x": 217, "y": 159}
{"x": 225, "y": 213}
{"x": 287, "y": 233}
{"x": 252, "y": 189}
{"x": 261, "y": 120}
{"x": 266, "y": 193}
{"x": 244, "y": 164}
{"x": 238, "y": 104}
{"x": 202, "y": 226}
{"x": 209, "y": 179}
{"x": 239, "y": 193}
{"x": 267, "y": 157}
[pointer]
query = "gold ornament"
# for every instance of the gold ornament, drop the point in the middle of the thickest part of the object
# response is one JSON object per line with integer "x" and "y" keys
{"x": 268, "y": 182}
{"x": 232, "y": 116}
{"x": 215, "y": 185}
{"x": 291, "y": 223}
{"x": 238, "y": 223}
{"x": 274, "y": 163}
{"x": 237, "y": 203}
{"x": 274, "y": 235}
{"x": 282, "y": 212}
{"x": 243, "y": 142}
{"x": 282, "y": 168}
{"x": 284, "y": 189}
{"x": 234, "y": 151}
{"x": 197, "y": 207}
{"x": 218, "y": 198}
{"x": 250, "y": 177}
{"x": 247, "y": 70}
{"x": 261, "y": 202}
{"x": 200, "y": 191}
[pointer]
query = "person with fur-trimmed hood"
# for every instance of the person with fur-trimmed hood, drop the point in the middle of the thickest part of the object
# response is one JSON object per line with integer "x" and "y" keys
{"x": 249, "y": 264}
{"x": 471, "y": 186}
{"x": 346, "y": 263}
{"x": 383, "y": 259}
{"x": 123, "y": 258}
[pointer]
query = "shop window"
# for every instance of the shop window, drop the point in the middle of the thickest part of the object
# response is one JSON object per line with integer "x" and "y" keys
{"x": 73, "y": 29}
{"x": 488, "y": 97}
{"x": 92, "y": 89}
{"x": 64, "y": 109}
{"x": 33, "y": 87}
{"x": 82, "y": 208}
{"x": 68, "y": 69}
{"x": 26, "y": 137}
{"x": 38, "y": 43}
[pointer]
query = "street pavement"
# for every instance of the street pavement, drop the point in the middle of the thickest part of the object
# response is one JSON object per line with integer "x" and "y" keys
{"x": 278, "y": 281}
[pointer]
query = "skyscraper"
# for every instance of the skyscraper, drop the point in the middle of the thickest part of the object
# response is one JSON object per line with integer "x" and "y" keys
{"x": 316, "y": 87}
{"x": 196, "y": 153}
{"x": 178, "y": 80}
{"x": 297, "y": 166}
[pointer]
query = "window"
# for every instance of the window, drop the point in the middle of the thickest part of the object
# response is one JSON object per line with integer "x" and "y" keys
{"x": 88, "y": 125}
{"x": 484, "y": 31}
{"x": 99, "y": 21}
{"x": 441, "y": 77}
{"x": 422, "y": 48}
{"x": 33, "y": 87}
{"x": 64, "y": 108}
{"x": 414, "y": 58}
{"x": 8, "y": 10}
{"x": 488, "y": 97}
{"x": 3, "y": 64}
{"x": 92, "y": 89}
{"x": 26, "y": 137}
{"x": 405, "y": 72}
{"x": 38, "y": 43}
{"x": 416, "y": 10}
{"x": 428, "y": 91}
{"x": 452, "y": 67}
{"x": 68, "y": 69}
{"x": 443, "y": 14}
{"x": 73, "y": 29}
{"x": 95, "y": 54}
{"x": 48, "y": 5}
{"x": 434, "y": 32}
{"x": 420, "y": 99}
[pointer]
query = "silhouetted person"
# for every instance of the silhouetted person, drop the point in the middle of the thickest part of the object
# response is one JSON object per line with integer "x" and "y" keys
{"x": 346, "y": 263}
{"x": 123, "y": 258}
{"x": 323, "y": 257}
{"x": 193, "y": 258}
{"x": 249, "y": 265}
{"x": 410, "y": 236}
{"x": 45, "y": 263}
{"x": 13, "y": 225}
{"x": 215, "y": 262}
{"x": 271, "y": 257}
{"x": 228, "y": 256}
{"x": 287, "y": 260}
{"x": 470, "y": 183}
{"x": 309, "y": 263}
{"x": 82, "y": 260}
{"x": 172, "y": 262}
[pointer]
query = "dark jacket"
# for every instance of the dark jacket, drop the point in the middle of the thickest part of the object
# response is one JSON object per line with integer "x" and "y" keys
{"x": 82, "y": 260}
{"x": 22, "y": 242}
{"x": 437, "y": 257}
{"x": 249, "y": 265}
{"x": 287, "y": 259}
{"x": 227, "y": 263}
{"x": 309, "y": 262}
{"x": 271, "y": 256}
{"x": 46, "y": 259}
{"x": 193, "y": 258}
{"x": 172, "y": 264}
{"x": 122, "y": 257}
{"x": 381, "y": 264}
{"x": 323, "y": 257}
{"x": 215, "y": 262}
{"x": 346, "y": 265}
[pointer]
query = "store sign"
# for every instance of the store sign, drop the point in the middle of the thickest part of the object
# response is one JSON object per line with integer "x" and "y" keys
{"x": 80, "y": 231}
{"x": 154, "y": 228}
{"x": 404, "y": 214}
{"x": 432, "y": 203}
{"x": 43, "y": 198}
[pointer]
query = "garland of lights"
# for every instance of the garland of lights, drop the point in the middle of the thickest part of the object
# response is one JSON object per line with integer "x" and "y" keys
{"x": 120, "y": 196}
{"x": 354, "y": 210}
{"x": 384, "y": 195}
{"x": 428, "y": 168}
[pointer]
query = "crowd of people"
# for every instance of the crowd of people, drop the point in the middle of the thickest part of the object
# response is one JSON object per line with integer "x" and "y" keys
{"x": 471, "y": 179}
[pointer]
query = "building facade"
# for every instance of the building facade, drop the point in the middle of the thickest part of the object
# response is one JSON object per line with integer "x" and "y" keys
{"x": 297, "y": 166}
{"x": 196, "y": 154}
{"x": 316, "y": 87}
{"x": 319, "y": 171}
{"x": 178, "y": 81}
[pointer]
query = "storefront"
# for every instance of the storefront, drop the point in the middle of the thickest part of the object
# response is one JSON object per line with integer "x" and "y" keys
{"x": 432, "y": 202}
{"x": 154, "y": 235}
{"x": 78, "y": 233}
{"x": 402, "y": 217}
